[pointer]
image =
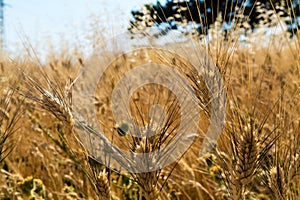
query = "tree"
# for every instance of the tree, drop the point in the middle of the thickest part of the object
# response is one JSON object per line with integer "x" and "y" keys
{"x": 179, "y": 14}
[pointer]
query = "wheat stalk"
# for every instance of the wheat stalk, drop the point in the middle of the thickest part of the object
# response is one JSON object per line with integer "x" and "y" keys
{"x": 284, "y": 173}
{"x": 8, "y": 123}
{"x": 278, "y": 183}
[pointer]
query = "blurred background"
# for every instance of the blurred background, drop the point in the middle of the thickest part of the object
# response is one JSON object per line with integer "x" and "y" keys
{"x": 60, "y": 26}
{"x": 49, "y": 23}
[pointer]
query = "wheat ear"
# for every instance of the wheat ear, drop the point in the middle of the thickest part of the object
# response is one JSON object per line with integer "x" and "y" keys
{"x": 103, "y": 187}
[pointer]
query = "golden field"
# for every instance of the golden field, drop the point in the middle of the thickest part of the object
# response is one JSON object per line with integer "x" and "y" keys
{"x": 257, "y": 155}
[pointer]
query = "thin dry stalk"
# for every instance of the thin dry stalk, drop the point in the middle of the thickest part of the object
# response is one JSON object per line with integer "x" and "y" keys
{"x": 278, "y": 183}
{"x": 8, "y": 121}
{"x": 284, "y": 172}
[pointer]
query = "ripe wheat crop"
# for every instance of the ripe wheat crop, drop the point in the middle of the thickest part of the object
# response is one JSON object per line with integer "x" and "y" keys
{"x": 49, "y": 152}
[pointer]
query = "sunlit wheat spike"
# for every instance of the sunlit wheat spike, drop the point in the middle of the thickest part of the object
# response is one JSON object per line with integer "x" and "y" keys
{"x": 148, "y": 182}
{"x": 55, "y": 100}
{"x": 247, "y": 157}
{"x": 246, "y": 162}
{"x": 103, "y": 187}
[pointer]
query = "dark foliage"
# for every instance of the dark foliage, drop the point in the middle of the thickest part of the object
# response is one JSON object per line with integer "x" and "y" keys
{"x": 204, "y": 12}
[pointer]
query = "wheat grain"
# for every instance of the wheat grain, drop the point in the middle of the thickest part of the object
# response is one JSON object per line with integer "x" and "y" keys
{"x": 247, "y": 156}
{"x": 102, "y": 185}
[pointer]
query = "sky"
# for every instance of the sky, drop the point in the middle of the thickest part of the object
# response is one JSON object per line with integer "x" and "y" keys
{"x": 43, "y": 22}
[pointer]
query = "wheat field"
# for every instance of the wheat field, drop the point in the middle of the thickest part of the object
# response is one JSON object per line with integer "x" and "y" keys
{"x": 256, "y": 156}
